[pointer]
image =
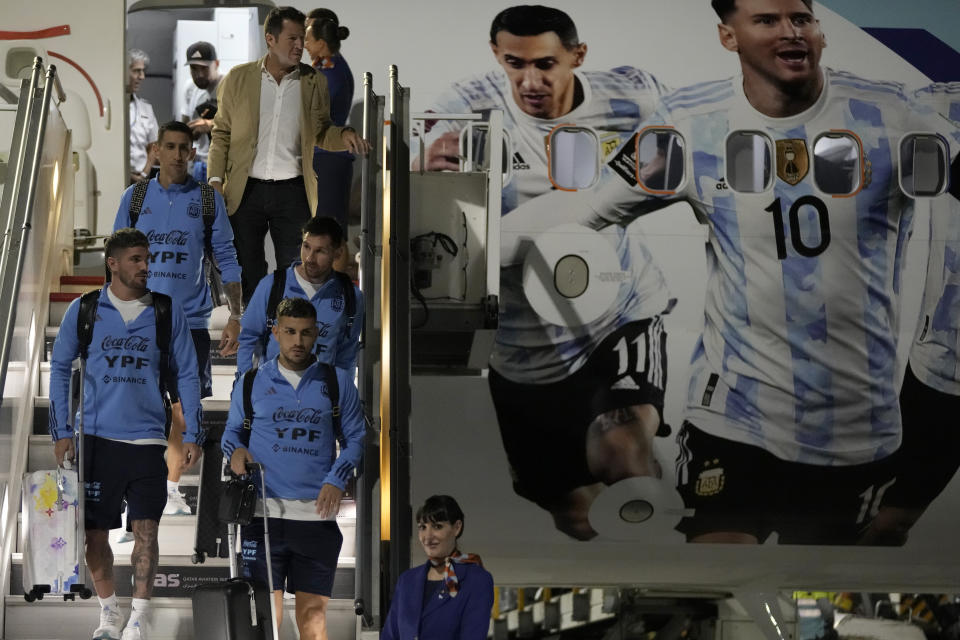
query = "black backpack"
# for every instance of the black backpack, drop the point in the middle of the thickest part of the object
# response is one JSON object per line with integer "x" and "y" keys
{"x": 276, "y": 295}
{"x": 208, "y": 206}
{"x": 333, "y": 390}
{"x": 87, "y": 317}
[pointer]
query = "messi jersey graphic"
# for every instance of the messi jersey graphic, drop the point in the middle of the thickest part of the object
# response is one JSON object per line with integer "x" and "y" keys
{"x": 802, "y": 303}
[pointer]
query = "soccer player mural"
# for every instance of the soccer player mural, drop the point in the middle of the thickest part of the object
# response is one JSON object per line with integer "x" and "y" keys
{"x": 574, "y": 414}
{"x": 772, "y": 213}
{"x": 791, "y": 416}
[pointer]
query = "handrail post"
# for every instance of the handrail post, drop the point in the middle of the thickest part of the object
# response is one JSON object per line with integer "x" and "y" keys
{"x": 19, "y": 208}
{"x": 367, "y": 570}
{"x": 395, "y": 367}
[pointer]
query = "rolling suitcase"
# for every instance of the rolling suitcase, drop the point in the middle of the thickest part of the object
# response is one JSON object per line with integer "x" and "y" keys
{"x": 237, "y": 609}
{"x": 53, "y": 519}
{"x": 211, "y": 535}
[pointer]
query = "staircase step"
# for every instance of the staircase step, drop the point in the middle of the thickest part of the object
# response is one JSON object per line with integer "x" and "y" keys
{"x": 59, "y": 301}
{"x": 90, "y": 281}
{"x": 80, "y": 284}
{"x": 15, "y": 386}
{"x": 172, "y": 619}
{"x": 177, "y": 575}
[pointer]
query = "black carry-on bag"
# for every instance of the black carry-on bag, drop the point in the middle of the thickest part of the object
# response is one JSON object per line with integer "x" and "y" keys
{"x": 212, "y": 534}
{"x": 238, "y": 609}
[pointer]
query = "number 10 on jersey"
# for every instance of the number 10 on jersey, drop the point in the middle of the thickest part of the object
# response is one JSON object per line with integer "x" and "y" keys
{"x": 805, "y": 250}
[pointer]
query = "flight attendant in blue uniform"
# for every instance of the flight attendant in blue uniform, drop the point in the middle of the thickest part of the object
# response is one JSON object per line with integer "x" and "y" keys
{"x": 450, "y": 596}
{"x": 334, "y": 168}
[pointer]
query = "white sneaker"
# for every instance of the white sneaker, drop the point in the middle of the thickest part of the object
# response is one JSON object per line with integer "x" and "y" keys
{"x": 176, "y": 505}
{"x": 110, "y": 622}
{"x": 137, "y": 627}
{"x": 126, "y": 536}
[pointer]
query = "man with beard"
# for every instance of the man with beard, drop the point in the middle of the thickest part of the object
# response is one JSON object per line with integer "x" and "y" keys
{"x": 123, "y": 420}
{"x": 313, "y": 278}
{"x": 288, "y": 415}
{"x": 171, "y": 214}
{"x": 201, "y": 101}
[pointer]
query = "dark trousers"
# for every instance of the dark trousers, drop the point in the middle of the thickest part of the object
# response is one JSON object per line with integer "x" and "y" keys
{"x": 334, "y": 180}
{"x": 280, "y": 207}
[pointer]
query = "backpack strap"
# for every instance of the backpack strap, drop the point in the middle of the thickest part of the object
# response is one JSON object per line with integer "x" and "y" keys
{"x": 136, "y": 204}
{"x": 162, "y": 304}
{"x": 276, "y": 295}
{"x": 136, "y": 201}
{"x": 333, "y": 391}
{"x": 209, "y": 206}
{"x": 86, "y": 318}
{"x": 349, "y": 297}
{"x": 248, "y": 379}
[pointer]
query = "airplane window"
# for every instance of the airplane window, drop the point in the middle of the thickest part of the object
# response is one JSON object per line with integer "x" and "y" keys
{"x": 923, "y": 165}
{"x": 473, "y": 150}
{"x": 660, "y": 163}
{"x": 748, "y": 162}
{"x": 571, "y": 276}
{"x": 836, "y": 163}
{"x": 574, "y": 157}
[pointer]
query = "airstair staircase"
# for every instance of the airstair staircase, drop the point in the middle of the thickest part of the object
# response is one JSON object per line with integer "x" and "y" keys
{"x": 52, "y": 617}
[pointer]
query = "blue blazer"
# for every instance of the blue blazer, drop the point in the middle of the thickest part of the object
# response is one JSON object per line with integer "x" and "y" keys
{"x": 466, "y": 617}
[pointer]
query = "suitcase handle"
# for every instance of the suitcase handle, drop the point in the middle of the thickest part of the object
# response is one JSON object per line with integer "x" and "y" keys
{"x": 250, "y": 468}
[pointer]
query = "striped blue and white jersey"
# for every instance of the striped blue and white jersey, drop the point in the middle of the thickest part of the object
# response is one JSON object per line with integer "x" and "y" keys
{"x": 528, "y": 349}
{"x": 798, "y": 350}
{"x": 935, "y": 355}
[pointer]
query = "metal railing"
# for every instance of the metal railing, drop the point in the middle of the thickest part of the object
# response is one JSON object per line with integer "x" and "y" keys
{"x": 38, "y": 187}
{"x": 395, "y": 354}
{"x": 366, "y": 601}
{"x": 23, "y": 192}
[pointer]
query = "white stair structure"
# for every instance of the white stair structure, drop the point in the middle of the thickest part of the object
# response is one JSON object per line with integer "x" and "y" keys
{"x": 176, "y": 574}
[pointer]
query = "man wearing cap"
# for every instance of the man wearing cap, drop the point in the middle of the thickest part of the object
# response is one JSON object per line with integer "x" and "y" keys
{"x": 201, "y": 101}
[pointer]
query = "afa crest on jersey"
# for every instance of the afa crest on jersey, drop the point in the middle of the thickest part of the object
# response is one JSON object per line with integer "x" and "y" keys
{"x": 793, "y": 163}
{"x": 710, "y": 481}
{"x": 337, "y": 304}
{"x": 194, "y": 210}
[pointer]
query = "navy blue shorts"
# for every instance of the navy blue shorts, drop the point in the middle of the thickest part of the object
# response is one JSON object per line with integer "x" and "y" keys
{"x": 117, "y": 471}
{"x": 304, "y": 554}
{"x": 201, "y": 342}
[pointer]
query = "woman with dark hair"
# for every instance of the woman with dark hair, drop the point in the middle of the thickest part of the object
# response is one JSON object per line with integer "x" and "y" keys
{"x": 451, "y": 595}
{"x": 334, "y": 168}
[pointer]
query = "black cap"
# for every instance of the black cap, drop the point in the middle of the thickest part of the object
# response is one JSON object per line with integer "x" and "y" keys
{"x": 201, "y": 53}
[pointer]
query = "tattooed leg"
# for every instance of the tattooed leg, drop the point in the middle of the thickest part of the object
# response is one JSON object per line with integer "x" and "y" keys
{"x": 100, "y": 561}
{"x": 145, "y": 556}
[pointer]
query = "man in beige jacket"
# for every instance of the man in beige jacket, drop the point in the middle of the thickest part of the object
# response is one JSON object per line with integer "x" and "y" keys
{"x": 270, "y": 114}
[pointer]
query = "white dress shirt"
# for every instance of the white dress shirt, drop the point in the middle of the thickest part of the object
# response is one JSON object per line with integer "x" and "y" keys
{"x": 143, "y": 130}
{"x": 278, "y": 140}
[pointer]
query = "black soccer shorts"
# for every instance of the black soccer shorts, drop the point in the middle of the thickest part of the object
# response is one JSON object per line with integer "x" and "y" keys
{"x": 741, "y": 488}
{"x": 929, "y": 454}
{"x": 544, "y": 426}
